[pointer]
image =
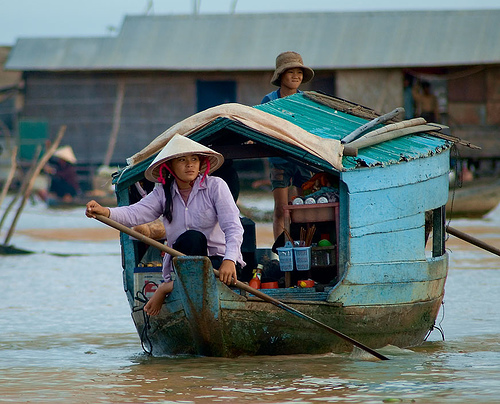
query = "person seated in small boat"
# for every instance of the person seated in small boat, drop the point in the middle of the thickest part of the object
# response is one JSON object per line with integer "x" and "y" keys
{"x": 64, "y": 183}
{"x": 197, "y": 209}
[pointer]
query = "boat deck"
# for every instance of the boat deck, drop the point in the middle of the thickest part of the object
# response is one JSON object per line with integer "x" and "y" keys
{"x": 292, "y": 294}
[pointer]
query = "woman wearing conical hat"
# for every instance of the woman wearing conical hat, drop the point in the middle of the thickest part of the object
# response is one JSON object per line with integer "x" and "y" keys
{"x": 197, "y": 209}
{"x": 64, "y": 183}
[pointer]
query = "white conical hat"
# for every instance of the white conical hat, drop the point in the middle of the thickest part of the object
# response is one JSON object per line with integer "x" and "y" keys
{"x": 181, "y": 146}
{"x": 65, "y": 153}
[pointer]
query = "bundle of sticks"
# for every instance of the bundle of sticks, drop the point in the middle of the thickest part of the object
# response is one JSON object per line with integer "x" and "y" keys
{"x": 305, "y": 238}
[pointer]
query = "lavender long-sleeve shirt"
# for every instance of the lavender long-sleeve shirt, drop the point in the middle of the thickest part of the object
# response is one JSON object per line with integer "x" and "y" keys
{"x": 210, "y": 209}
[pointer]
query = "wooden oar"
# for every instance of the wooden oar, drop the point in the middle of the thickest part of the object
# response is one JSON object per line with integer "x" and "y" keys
{"x": 281, "y": 305}
{"x": 472, "y": 240}
{"x": 378, "y": 120}
{"x": 239, "y": 285}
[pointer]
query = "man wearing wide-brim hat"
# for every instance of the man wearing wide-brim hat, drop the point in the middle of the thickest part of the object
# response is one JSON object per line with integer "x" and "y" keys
{"x": 289, "y": 74}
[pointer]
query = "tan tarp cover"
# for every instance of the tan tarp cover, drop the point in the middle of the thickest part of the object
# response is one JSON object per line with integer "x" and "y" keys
{"x": 329, "y": 150}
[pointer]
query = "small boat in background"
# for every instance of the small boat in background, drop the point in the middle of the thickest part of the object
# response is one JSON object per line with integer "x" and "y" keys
{"x": 474, "y": 198}
{"x": 102, "y": 191}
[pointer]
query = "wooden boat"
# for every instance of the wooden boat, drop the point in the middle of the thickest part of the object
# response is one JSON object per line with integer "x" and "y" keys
{"x": 473, "y": 199}
{"x": 382, "y": 283}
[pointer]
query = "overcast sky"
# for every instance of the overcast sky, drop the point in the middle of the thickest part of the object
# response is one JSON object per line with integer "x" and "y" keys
{"x": 77, "y": 18}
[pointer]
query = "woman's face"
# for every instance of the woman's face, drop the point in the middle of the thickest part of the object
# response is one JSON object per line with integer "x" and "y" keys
{"x": 186, "y": 168}
{"x": 292, "y": 78}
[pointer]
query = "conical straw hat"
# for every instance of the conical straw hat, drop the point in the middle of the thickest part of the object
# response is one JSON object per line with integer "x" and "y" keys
{"x": 65, "y": 153}
{"x": 180, "y": 146}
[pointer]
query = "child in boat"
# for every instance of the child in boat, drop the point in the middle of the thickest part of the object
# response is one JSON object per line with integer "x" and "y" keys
{"x": 290, "y": 73}
{"x": 198, "y": 211}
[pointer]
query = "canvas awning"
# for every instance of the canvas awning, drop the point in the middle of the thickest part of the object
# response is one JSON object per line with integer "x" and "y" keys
{"x": 330, "y": 150}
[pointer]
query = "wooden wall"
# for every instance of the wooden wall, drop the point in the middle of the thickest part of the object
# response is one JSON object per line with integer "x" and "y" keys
{"x": 152, "y": 102}
{"x": 474, "y": 111}
{"x": 380, "y": 89}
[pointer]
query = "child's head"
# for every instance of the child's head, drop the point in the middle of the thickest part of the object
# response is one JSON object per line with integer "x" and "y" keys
{"x": 290, "y": 61}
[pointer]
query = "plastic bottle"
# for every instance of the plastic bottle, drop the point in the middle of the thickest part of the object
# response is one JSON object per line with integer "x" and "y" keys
{"x": 257, "y": 275}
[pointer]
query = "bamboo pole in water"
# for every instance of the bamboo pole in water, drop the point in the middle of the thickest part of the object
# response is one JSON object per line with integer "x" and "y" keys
{"x": 10, "y": 177}
{"x": 45, "y": 158}
{"x": 23, "y": 186}
{"x": 117, "y": 114}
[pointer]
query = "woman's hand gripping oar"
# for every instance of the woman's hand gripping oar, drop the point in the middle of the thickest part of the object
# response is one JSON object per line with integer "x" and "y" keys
{"x": 239, "y": 285}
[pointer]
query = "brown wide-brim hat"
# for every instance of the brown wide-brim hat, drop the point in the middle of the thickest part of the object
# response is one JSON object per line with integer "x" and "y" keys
{"x": 65, "y": 153}
{"x": 180, "y": 146}
{"x": 290, "y": 60}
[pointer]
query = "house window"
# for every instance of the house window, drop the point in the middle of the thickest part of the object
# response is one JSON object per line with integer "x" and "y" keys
{"x": 216, "y": 92}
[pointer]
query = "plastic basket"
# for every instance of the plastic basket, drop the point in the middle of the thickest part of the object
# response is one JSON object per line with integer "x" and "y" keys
{"x": 323, "y": 256}
{"x": 302, "y": 258}
{"x": 285, "y": 255}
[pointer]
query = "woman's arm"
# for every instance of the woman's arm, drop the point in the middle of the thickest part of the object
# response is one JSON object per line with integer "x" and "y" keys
{"x": 228, "y": 216}
{"x": 146, "y": 210}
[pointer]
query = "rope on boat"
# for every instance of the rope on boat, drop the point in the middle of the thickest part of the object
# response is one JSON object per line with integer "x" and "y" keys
{"x": 141, "y": 297}
{"x": 437, "y": 327}
{"x": 457, "y": 183}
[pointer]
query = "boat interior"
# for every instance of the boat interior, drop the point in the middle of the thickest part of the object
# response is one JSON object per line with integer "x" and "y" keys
{"x": 311, "y": 261}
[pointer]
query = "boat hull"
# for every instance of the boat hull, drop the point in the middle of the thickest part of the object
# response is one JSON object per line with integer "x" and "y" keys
{"x": 218, "y": 321}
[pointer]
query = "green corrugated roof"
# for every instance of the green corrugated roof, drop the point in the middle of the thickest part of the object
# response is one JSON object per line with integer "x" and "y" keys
{"x": 327, "y": 122}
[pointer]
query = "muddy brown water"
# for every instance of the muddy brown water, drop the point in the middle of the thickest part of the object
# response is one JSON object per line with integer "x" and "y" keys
{"x": 66, "y": 335}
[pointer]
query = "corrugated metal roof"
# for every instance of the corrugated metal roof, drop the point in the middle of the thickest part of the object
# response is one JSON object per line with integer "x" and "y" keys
{"x": 252, "y": 41}
{"x": 59, "y": 54}
{"x": 330, "y": 123}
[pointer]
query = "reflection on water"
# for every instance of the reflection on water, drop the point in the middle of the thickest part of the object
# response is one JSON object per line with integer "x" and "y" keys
{"x": 66, "y": 336}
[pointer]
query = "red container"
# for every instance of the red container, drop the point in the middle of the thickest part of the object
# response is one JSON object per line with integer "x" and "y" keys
{"x": 269, "y": 285}
{"x": 306, "y": 283}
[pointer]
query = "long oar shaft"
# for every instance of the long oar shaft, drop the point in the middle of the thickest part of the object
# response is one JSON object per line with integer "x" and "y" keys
{"x": 291, "y": 310}
{"x": 472, "y": 240}
{"x": 238, "y": 284}
{"x": 137, "y": 235}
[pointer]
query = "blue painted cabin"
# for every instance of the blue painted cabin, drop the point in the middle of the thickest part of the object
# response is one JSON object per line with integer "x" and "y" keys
{"x": 387, "y": 282}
